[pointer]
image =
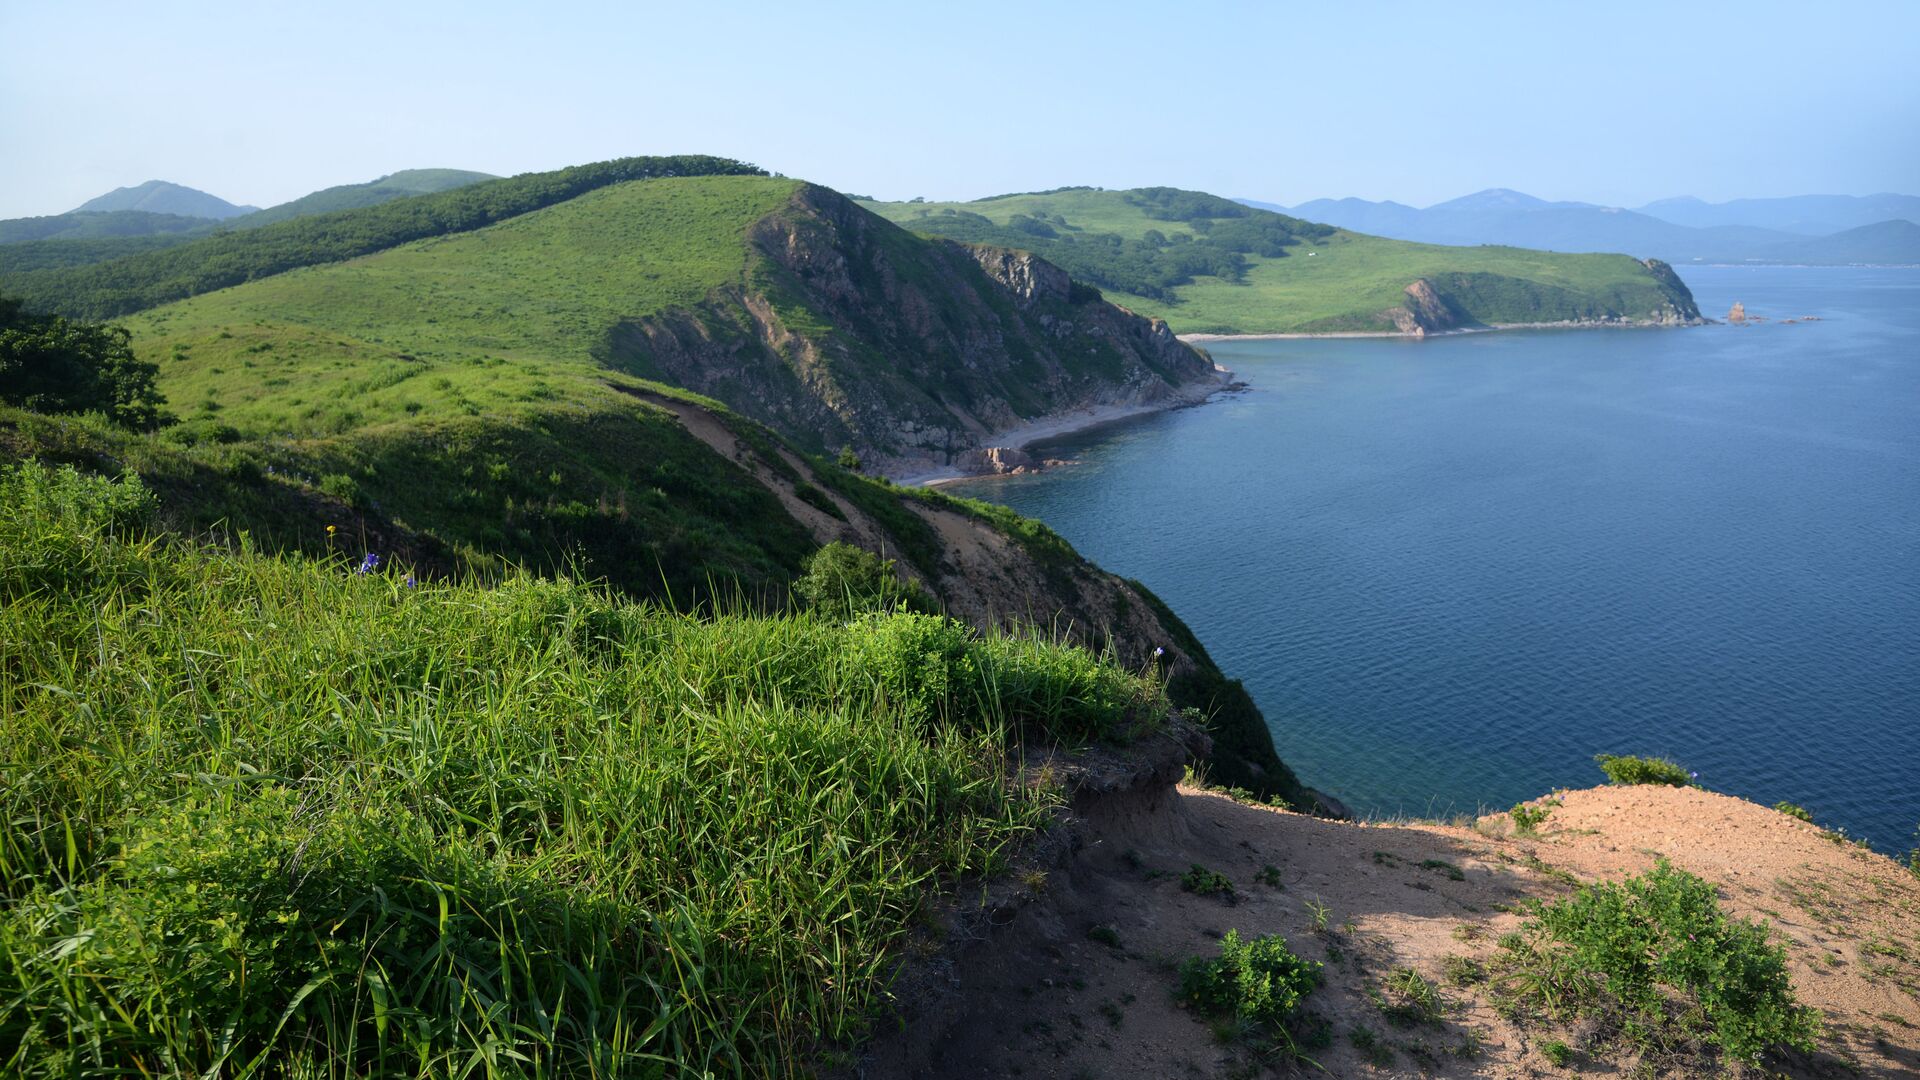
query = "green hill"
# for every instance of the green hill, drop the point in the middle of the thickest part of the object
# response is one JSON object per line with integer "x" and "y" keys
{"x": 93, "y": 225}
{"x": 1211, "y": 265}
{"x": 471, "y": 400}
{"x": 352, "y": 196}
{"x": 164, "y": 197}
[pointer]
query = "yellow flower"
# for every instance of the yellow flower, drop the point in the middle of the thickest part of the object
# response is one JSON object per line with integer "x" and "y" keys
{"x": 331, "y": 529}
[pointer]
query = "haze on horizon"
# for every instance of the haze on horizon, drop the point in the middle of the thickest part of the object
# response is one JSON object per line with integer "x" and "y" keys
{"x": 1413, "y": 102}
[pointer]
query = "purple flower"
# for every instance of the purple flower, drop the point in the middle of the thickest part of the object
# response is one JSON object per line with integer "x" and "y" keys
{"x": 410, "y": 582}
{"x": 1158, "y": 652}
{"x": 369, "y": 564}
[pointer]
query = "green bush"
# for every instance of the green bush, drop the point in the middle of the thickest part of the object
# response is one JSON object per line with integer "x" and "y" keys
{"x": 1643, "y": 953}
{"x": 1794, "y": 810}
{"x": 1528, "y": 819}
{"x": 51, "y": 365}
{"x": 1198, "y": 879}
{"x": 841, "y": 580}
{"x": 1624, "y": 769}
{"x": 1259, "y": 982}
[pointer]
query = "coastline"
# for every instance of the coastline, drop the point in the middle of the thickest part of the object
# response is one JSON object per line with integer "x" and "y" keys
{"x": 1073, "y": 421}
{"x": 1566, "y": 324}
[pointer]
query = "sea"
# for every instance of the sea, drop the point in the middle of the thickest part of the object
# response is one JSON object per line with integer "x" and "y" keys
{"x": 1453, "y": 570}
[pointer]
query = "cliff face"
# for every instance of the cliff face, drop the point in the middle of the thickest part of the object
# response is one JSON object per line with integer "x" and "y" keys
{"x": 846, "y": 330}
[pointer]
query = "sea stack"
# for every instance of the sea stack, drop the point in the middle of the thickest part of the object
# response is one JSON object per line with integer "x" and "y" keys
{"x": 1737, "y": 313}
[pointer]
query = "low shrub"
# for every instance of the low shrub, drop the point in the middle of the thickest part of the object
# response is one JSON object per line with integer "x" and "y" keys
{"x": 1626, "y": 769}
{"x": 1260, "y": 983}
{"x": 1528, "y": 819}
{"x": 1794, "y": 810}
{"x": 1198, "y": 879}
{"x": 1654, "y": 958}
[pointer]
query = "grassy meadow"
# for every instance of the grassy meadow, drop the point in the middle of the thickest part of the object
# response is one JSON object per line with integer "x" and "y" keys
{"x": 310, "y": 816}
{"x": 1338, "y": 281}
{"x": 482, "y": 321}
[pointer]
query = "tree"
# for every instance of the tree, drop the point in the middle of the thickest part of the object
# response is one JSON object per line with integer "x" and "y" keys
{"x": 54, "y": 365}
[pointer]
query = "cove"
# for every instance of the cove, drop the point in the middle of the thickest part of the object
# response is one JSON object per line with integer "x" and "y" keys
{"x": 1450, "y": 571}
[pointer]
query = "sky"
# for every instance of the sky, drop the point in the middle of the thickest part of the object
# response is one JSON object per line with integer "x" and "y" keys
{"x": 1617, "y": 104}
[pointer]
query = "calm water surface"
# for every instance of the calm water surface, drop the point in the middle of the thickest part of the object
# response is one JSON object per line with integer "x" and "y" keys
{"x": 1451, "y": 571}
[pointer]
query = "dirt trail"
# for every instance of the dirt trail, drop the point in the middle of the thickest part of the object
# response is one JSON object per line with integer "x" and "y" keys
{"x": 1041, "y": 998}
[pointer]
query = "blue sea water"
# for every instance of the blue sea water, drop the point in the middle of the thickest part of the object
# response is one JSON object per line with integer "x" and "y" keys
{"x": 1451, "y": 571}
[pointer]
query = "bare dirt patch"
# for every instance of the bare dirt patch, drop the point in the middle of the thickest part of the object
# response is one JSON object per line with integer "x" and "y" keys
{"x": 1079, "y": 982}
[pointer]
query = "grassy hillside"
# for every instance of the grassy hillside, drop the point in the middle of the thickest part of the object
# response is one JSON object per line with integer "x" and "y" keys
{"x": 1208, "y": 265}
{"x": 306, "y": 816}
{"x": 135, "y": 282}
{"x": 372, "y": 193}
{"x": 460, "y": 401}
{"x": 485, "y": 322}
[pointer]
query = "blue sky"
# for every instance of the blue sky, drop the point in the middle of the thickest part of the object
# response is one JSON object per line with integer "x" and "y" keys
{"x": 1617, "y": 103}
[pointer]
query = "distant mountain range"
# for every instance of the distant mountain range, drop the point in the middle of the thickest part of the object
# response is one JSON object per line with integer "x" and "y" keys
{"x": 131, "y": 220}
{"x": 161, "y": 197}
{"x": 1806, "y": 229}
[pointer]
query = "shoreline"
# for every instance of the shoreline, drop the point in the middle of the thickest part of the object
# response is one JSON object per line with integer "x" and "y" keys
{"x": 1072, "y": 422}
{"x": 1567, "y": 324}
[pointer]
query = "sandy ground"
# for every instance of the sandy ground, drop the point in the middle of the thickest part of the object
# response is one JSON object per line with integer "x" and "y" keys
{"x": 1040, "y": 998}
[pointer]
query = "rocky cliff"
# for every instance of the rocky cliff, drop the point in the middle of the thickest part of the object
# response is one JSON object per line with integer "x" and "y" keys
{"x": 847, "y": 331}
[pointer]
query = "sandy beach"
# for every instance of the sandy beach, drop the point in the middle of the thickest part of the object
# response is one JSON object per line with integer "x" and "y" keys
{"x": 1055, "y": 425}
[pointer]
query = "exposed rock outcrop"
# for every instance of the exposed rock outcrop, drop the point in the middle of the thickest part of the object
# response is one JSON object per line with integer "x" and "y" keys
{"x": 846, "y": 330}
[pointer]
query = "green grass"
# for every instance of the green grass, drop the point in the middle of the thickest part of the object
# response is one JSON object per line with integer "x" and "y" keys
{"x": 270, "y": 815}
{"x": 1344, "y": 285}
{"x": 495, "y": 320}
{"x": 1654, "y": 960}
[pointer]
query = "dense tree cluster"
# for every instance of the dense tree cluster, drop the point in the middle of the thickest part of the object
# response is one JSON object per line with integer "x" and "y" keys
{"x": 54, "y": 365}
{"x": 117, "y": 287}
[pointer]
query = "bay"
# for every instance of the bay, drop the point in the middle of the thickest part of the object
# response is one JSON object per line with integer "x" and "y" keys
{"x": 1451, "y": 571}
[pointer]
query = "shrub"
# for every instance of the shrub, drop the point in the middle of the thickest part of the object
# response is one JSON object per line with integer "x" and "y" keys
{"x": 1559, "y": 1053}
{"x": 1528, "y": 819}
{"x": 841, "y": 580}
{"x": 1642, "y": 952}
{"x": 1259, "y": 982}
{"x": 1625, "y": 769}
{"x": 1204, "y": 882}
{"x": 1793, "y": 810}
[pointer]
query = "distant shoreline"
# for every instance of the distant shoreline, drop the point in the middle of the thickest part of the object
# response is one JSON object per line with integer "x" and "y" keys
{"x": 1567, "y": 324}
{"x": 1072, "y": 422}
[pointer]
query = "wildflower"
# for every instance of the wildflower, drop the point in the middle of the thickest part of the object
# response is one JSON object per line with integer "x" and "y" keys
{"x": 410, "y": 582}
{"x": 331, "y": 529}
{"x": 1158, "y": 652}
{"x": 369, "y": 564}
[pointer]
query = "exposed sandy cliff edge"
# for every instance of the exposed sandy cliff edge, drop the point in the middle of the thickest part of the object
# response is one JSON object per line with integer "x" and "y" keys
{"x": 1027, "y": 992}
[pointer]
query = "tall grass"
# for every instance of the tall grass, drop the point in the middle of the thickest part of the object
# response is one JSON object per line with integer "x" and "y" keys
{"x": 271, "y": 816}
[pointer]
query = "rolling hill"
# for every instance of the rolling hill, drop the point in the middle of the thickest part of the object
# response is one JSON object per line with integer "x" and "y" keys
{"x": 487, "y": 392}
{"x": 1214, "y": 266}
{"x": 163, "y": 197}
{"x": 352, "y": 196}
